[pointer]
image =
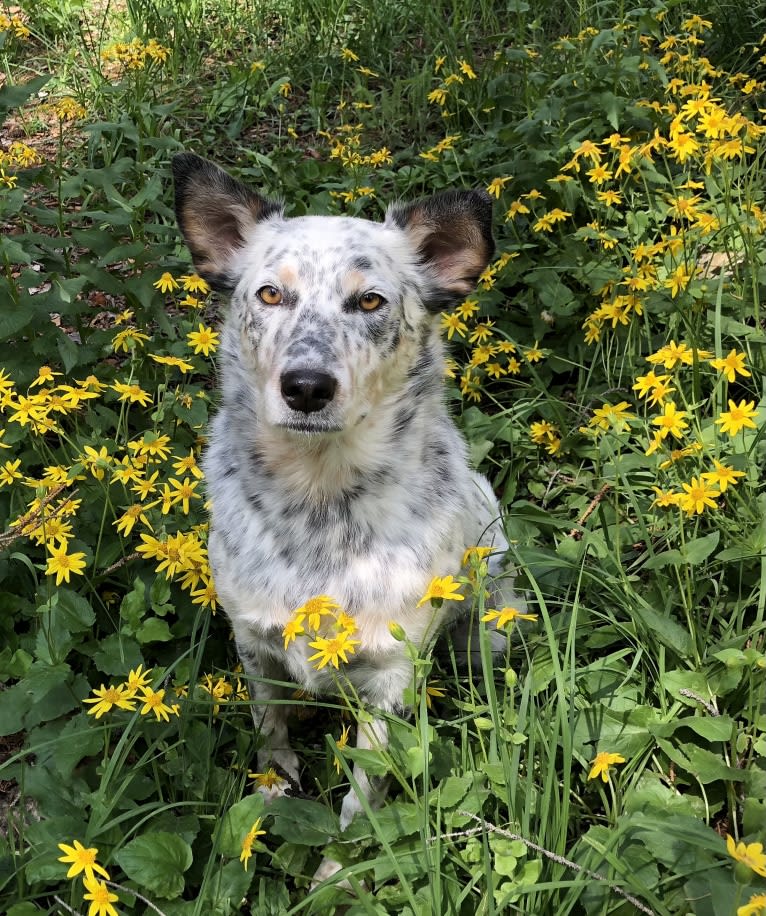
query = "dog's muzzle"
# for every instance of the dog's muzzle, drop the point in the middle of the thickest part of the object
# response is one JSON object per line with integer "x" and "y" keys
{"x": 307, "y": 390}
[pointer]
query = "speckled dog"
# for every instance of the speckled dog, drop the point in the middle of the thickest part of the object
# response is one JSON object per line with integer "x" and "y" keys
{"x": 333, "y": 466}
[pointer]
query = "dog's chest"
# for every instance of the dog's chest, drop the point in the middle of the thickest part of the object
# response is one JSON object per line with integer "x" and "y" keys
{"x": 373, "y": 548}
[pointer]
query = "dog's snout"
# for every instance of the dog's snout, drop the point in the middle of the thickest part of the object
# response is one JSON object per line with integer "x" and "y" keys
{"x": 307, "y": 390}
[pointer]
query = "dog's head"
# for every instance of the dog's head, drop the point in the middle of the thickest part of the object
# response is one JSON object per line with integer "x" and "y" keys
{"x": 332, "y": 312}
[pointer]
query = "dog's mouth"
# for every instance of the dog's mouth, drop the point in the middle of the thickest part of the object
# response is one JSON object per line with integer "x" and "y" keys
{"x": 310, "y": 427}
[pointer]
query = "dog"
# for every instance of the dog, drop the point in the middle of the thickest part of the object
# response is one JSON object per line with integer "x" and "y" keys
{"x": 333, "y": 467}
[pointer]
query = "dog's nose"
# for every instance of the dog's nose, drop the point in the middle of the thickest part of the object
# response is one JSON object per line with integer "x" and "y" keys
{"x": 307, "y": 390}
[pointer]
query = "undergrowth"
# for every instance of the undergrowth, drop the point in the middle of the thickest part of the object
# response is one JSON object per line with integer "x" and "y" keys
{"x": 608, "y": 374}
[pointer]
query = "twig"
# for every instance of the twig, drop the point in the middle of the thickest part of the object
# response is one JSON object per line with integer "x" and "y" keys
{"x": 134, "y": 893}
{"x": 575, "y": 532}
{"x": 66, "y": 906}
{"x": 121, "y": 562}
{"x": 16, "y": 531}
{"x": 709, "y": 708}
{"x": 554, "y": 857}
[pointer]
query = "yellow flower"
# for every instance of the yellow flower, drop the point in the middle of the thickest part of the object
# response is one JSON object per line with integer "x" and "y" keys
{"x": 127, "y": 521}
{"x": 671, "y": 421}
{"x": 678, "y": 280}
{"x": 45, "y": 375}
{"x": 751, "y": 854}
{"x": 10, "y": 472}
{"x": 316, "y": 608}
{"x": 183, "y": 492}
{"x": 153, "y": 702}
{"x": 128, "y": 339}
{"x": 166, "y": 283}
{"x": 609, "y": 198}
{"x": 496, "y": 186}
{"x": 737, "y": 416}
{"x": 682, "y": 146}
{"x": 441, "y": 589}
{"x": 466, "y": 68}
{"x": 612, "y": 416}
{"x": 205, "y": 340}
{"x": 756, "y": 906}
{"x": 105, "y": 698}
{"x": 723, "y": 475}
{"x": 505, "y": 616}
{"x": 452, "y": 324}
{"x": 731, "y": 365}
{"x": 541, "y": 431}
{"x": 138, "y": 678}
{"x": 331, "y": 650}
{"x": 534, "y": 354}
{"x": 599, "y": 174}
{"x": 175, "y": 361}
{"x": 698, "y": 496}
{"x": 134, "y": 393}
{"x": 348, "y": 54}
{"x": 64, "y": 564}
{"x": 341, "y": 743}
{"x": 438, "y": 95}
{"x": 468, "y": 308}
{"x": 247, "y": 843}
{"x": 267, "y": 780}
{"x": 674, "y": 353}
{"x": 646, "y": 383}
{"x": 81, "y": 859}
{"x": 193, "y": 283}
{"x": 482, "y": 332}
{"x": 600, "y": 766}
{"x": 293, "y": 628}
{"x": 101, "y": 898}
{"x": 665, "y": 498}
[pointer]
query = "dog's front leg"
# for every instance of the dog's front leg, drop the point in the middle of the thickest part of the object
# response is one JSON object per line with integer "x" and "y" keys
{"x": 370, "y": 735}
{"x": 269, "y": 710}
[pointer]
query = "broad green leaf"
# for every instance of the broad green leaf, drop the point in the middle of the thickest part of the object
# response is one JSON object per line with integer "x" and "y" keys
{"x": 303, "y": 821}
{"x": 154, "y": 630}
{"x": 156, "y": 862}
{"x": 238, "y": 821}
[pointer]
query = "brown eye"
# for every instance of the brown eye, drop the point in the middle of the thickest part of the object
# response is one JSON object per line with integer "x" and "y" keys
{"x": 371, "y": 301}
{"x": 270, "y": 295}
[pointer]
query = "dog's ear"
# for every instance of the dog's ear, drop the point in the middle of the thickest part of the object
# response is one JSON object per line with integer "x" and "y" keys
{"x": 215, "y": 214}
{"x": 452, "y": 232}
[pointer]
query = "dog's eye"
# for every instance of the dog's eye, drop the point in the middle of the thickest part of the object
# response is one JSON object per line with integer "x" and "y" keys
{"x": 270, "y": 295}
{"x": 371, "y": 301}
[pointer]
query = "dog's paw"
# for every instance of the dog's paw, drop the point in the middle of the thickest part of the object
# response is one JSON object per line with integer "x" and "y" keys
{"x": 327, "y": 869}
{"x": 273, "y": 790}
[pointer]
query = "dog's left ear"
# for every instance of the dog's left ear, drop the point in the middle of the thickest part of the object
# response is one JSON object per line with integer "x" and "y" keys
{"x": 452, "y": 232}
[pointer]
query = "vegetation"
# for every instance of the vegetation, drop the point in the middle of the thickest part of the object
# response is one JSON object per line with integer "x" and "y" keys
{"x": 609, "y": 376}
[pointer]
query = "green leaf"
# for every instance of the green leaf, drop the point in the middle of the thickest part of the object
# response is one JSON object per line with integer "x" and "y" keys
{"x": 452, "y": 791}
{"x": 30, "y": 692}
{"x": 14, "y": 96}
{"x": 371, "y": 761}
{"x": 117, "y": 655}
{"x": 238, "y": 821}
{"x": 154, "y": 630}
{"x": 302, "y": 821}
{"x": 157, "y": 862}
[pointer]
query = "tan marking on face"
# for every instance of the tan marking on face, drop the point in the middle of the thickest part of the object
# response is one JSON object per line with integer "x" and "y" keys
{"x": 287, "y": 276}
{"x": 354, "y": 282}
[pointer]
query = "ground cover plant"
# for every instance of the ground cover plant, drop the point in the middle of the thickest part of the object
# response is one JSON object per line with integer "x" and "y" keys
{"x": 608, "y": 374}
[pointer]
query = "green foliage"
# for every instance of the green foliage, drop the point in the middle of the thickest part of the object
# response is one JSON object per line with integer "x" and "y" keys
{"x": 124, "y": 722}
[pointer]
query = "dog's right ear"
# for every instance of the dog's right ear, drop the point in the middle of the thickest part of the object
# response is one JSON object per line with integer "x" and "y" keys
{"x": 215, "y": 214}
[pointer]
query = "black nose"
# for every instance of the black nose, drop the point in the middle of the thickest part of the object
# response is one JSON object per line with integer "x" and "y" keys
{"x": 307, "y": 390}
